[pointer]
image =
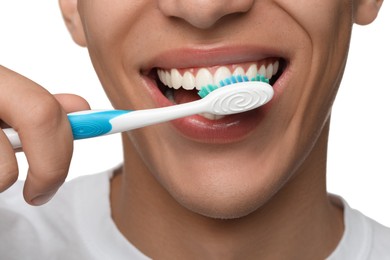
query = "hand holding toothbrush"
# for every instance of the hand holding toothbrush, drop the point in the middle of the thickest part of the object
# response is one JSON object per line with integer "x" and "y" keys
{"x": 41, "y": 121}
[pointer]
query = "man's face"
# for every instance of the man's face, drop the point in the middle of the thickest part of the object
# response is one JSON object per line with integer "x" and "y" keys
{"x": 221, "y": 167}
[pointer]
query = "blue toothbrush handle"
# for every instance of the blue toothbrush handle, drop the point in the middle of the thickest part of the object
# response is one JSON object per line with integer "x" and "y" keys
{"x": 85, "y": 124}
{"x": 94, "y": 123}
{"x": 89, "y": 124}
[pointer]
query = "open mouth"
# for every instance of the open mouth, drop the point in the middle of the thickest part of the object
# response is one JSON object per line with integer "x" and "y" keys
{"x": 181, "y": 85}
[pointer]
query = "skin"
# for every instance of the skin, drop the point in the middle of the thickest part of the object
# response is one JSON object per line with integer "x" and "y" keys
{"x": 259, "y": 192}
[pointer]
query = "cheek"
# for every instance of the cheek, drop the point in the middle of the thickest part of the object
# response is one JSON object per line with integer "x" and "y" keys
{"x": 118, "y": 40}
{"x": 112, "y": 29}
{"x": 326, "y": 24}
{"x": 326, "y": 28}
{"x": 318, "y": 17}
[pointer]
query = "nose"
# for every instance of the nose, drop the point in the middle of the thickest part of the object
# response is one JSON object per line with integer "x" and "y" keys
{"x": 203, "y": 14}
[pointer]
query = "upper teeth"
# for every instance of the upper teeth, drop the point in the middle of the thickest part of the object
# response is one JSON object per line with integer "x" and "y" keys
{"x": 187, "y": 80}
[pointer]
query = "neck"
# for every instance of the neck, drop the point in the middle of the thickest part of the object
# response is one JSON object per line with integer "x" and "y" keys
{"x": 298, "y": 215}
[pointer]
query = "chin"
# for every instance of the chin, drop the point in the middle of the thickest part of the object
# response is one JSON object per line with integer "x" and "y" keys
{"x": 215, "y": 185}
{"x": 225, "y": 209}
{"x": 224, "y": 202}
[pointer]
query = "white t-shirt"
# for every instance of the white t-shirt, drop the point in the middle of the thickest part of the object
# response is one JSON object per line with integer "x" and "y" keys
{"x": 77, "y": 224}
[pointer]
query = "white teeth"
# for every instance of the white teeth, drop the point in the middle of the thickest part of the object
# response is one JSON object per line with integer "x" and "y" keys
{"x": 222, "y": 73}
{"x": 269, "y": 71}
{"x": 176, "y": 79}
{"x": 168, "y": 79}
{"x": 276, "y": 67}
{"x": 188, "y": 81}
{"x": 252, "y": 71}
{"x": 203, "y": 78}
{"x": 161, "y": 75}
{"x": 239, "y": 71}
{"x": 211, "y": 116}
{"x": 262, "y": 70}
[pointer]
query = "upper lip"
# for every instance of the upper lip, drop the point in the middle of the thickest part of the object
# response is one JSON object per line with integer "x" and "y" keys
{"x": 195, "y": 57}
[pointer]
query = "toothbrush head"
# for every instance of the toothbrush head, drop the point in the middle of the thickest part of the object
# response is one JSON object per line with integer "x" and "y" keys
{"x": 238, "y": 98}
{"x": 204, "y": 91}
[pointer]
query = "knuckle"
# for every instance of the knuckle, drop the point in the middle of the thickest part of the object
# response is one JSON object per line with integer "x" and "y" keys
{"x": 46, "y": 112}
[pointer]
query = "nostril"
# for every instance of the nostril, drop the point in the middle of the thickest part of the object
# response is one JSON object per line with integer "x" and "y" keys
{"x": 203, "y": 14}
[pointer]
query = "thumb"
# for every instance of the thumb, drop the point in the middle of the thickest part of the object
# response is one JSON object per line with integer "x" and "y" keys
{"x": 72, "y": 103}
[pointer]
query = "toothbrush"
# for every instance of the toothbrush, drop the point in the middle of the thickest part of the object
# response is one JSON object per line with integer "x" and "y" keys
{"x": 231, "y": 99}
{"x": 204, "y": 91}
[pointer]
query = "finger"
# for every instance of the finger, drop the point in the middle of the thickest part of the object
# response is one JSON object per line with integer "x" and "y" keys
{"x": 69, "y": 103}
{"x": 8, "y": 164}
{"x": 48, "y": 148}
{"x": 43, "y": 129}
{"x": 72, "y": 103}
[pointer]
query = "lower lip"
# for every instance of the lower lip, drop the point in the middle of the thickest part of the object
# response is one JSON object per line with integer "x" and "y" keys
{"x": 229, "y": 129}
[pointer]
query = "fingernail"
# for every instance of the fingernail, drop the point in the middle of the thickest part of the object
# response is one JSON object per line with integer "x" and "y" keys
{"x": 42, "y": 199}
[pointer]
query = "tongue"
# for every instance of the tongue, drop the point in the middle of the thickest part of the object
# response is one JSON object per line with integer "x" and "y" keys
{"x": 183, "y": 96}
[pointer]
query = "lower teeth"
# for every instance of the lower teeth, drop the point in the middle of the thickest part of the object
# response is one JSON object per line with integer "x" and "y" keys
{"x": 169, "y": 96}
{"x": 211, "y": 116}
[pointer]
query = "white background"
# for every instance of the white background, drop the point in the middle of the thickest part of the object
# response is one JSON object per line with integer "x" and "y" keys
{"x": 35, "y": 43}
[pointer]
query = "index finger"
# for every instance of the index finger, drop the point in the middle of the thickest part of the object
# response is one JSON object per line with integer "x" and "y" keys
{"x": 43, "y": 129}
